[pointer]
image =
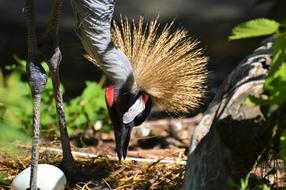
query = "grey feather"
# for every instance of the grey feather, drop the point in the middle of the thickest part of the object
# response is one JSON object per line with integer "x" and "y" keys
{"x": 93, "y": 26}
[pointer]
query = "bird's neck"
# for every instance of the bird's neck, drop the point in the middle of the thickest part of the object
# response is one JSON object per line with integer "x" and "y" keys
{"x": 93, "y": 26}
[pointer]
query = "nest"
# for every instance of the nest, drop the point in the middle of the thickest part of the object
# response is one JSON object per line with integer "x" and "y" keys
{"x": 103, "y": 172}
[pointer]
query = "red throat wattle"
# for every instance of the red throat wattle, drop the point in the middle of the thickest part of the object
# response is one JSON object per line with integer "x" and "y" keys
{"x": 109, "y": 95}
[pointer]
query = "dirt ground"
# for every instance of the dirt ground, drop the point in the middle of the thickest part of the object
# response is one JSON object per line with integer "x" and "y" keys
{"x": 156, "y": 159}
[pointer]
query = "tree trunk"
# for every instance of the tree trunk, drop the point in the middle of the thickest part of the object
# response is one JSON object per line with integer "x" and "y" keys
{"x": 230, "y": 136}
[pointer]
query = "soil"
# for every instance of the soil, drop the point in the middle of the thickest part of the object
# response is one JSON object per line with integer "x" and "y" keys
{"x": 156, "y": 158}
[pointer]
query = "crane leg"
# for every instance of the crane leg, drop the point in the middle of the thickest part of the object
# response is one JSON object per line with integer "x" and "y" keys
{"x": 68, "y": 161}
{"x": 47, "y": 50}
{"x": 37, "y": 81}
{"x": 54, "y": 60}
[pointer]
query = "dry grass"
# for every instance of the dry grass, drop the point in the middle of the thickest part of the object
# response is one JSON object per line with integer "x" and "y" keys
{"x": 104, "y": 172}
{"x": 270, "y": 171}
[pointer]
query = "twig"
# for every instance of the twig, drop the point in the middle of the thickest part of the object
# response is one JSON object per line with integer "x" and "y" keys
{"x": 90, "y": 155}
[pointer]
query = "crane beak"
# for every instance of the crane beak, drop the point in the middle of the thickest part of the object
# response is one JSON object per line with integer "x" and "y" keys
{"x": 122, "y": 138}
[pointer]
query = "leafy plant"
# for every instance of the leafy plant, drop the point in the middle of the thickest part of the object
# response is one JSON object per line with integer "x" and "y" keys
{"x": 17, "y": 91}
{"x": 13, "y": 106}
{"x": 245, "y": 184}
{"x": 88, "y": 108}
{"x": 16, "y": 104}
{"x": 16, "y": 109}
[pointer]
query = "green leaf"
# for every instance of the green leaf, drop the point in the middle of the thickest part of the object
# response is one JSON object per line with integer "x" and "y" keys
{"x": 244, "y": 183}
{"x": 80, "y": 120}
{"x": 254, "y": 28}
{"x": 1, "y": 81}
{"x": 10, "y": 133}
{"x": 3, "y": 109}
{"x": 21, "y": 62}
{"x": 2, "y": 179}
{"x": 253, "y": 101}
{"x": 279, "y": 53}
{"x": 275, "y": 85}
{"x": 46, "y": 67}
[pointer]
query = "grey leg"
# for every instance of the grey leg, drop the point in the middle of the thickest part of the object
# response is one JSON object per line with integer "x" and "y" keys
{"x": 48, "y": 50}
{"x": 54, "y": 59}
{"x": 37, "y": 81}
{"x": 68, "y": 161}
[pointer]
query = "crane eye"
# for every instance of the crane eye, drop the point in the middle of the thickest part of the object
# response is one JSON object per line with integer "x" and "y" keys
{"x": 109, "y": 95}
{"x": 145, "y": 97}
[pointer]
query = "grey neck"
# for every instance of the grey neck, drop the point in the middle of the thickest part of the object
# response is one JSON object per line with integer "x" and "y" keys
{"x": 93, "y": 26}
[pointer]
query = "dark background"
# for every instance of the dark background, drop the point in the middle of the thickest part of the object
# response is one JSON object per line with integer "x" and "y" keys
{"x": 210, "y": 21}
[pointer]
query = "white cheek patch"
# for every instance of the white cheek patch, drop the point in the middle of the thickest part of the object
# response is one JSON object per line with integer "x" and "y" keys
{"x": 133, "y": 111}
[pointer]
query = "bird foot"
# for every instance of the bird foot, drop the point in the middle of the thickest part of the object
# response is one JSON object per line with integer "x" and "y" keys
{"x": 73, "y": 172}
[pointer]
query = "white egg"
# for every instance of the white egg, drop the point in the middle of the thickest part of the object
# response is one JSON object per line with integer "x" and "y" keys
{"x": 49, "y": 178}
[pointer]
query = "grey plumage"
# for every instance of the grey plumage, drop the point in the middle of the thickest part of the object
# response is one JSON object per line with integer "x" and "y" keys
{"x": 93, "y": 26}
{"x": 164, "y": 69}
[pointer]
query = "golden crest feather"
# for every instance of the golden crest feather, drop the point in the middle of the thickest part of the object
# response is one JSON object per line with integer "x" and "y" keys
{"x": 167, "y": 65}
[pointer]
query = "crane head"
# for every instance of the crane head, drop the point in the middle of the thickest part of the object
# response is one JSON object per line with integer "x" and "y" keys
{"x": 126, "y": 110}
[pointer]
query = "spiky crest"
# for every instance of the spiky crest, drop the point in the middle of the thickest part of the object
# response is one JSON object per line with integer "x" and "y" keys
{"x": 167, "y": 65}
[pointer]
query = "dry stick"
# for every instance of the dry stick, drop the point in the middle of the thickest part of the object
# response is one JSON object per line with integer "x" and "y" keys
{"x": 90, "y": 155}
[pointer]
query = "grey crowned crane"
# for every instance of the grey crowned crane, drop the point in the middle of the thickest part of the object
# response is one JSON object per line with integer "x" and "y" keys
{"x": 146, "y": 68}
